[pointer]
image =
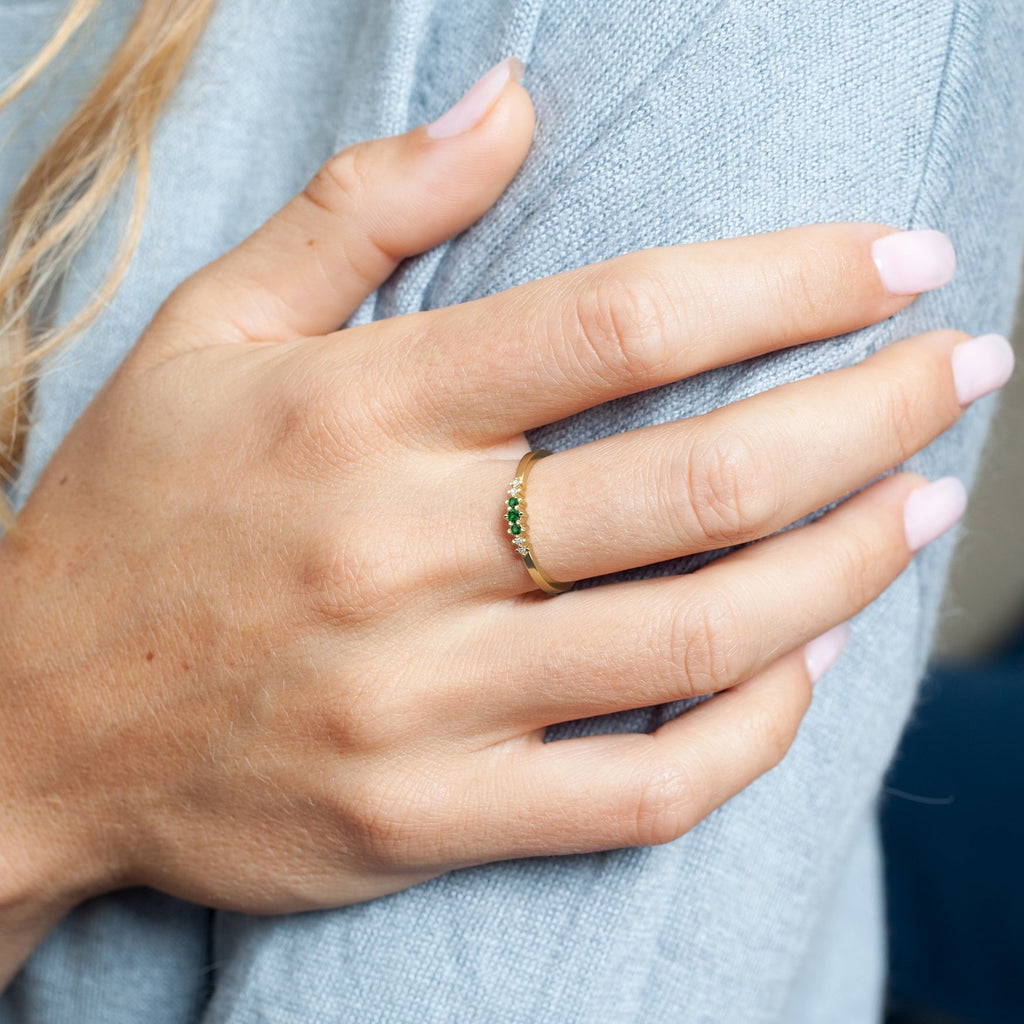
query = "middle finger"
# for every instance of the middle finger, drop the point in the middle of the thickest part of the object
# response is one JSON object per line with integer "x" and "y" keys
{"x": 501, "y": 365}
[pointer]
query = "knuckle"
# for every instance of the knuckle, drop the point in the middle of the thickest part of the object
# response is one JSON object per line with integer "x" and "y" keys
{"x": 355, "y": 576}
{"x": 395, "y": 817}
{"x": 195, "y": 306}
{"x": 618, "y": 326}
{"x": 901, "y": 417}
{"x": 367, "y": 708}
{"x": 916, "y": 391}
{"x": 859, "y": 568}
{"x": 298, "y": 411}
{"x": 664, "y": 806}
{"x": 342, "y": 184}
{"x": 324, "y": 412}
{"x": 369, "y": 721}
{"x": 185, "y": 296}
{"x": 305, "y": 424}
{"x": 810, "y": 284}
{"x": 771, "y": 729}
{"x": 703, "y": 645}
{"x": 365, "y": 806}
{"x": 731, "y": 490}
{"x": 405, "y": 403}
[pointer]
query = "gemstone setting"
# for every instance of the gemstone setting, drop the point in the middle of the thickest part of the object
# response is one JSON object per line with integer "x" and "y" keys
{"x": 515, "y": 518}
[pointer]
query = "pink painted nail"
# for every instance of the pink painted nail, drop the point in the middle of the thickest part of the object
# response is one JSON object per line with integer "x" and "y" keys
{"x": 910, "y": 262}
{"x": 930, "y": 511}
{"x": 981, "y": 366}
{"x": 476, "y": 104}
{"x": 821, "y": 654}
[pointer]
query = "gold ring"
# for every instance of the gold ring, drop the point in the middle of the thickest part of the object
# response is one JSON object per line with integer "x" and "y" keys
{"x": 517, "y": 521}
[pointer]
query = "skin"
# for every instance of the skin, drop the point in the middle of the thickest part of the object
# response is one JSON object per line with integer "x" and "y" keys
{"x": 267, "y": 648}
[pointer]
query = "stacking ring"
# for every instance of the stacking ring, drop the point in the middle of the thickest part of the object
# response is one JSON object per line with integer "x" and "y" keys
{"x": 518, "y": 524}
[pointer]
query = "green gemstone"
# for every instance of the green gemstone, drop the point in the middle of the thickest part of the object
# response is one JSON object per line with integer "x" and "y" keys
{"x": 513, "y": 516}
{"x": 513, "y": 502}
{"x": 515, "y": 529}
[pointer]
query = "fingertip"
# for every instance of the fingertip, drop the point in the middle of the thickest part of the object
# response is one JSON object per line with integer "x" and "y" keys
{"x": 981, "y": 365}
{"x": 911, "y": 262}
{"x": 480, "y": 101}
{"x": 823, "y": 652}
{"x": 894, "y": 265}
{"x": 459, "y": 174}
{"x": 506, "y": 134}
{"x": 931, "y": 511}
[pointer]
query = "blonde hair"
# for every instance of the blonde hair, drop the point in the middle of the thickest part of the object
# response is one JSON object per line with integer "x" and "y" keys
{"x": 72, "y": 184}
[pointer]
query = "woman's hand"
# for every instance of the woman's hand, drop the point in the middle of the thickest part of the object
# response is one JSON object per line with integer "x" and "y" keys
{"x": 266, "y": 644}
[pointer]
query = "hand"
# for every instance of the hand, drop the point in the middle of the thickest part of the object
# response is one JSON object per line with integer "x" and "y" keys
{"x": 267, "y": 646}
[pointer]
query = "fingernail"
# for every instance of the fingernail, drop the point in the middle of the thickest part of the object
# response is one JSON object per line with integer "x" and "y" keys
{"x": 981, "y": 366}
{"x": 821, "y": 654}
{"x": 910, "y": 262}
{"x": 475, "y": 105}
{"x": 930, "y": 511}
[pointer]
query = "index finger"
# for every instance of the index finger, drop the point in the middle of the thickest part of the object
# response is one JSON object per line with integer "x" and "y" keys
{"x": 504, "y": 364}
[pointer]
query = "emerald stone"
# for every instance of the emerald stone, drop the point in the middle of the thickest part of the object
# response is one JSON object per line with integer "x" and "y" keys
{"x": 515, "y": 529}
{"x": 513, "y": 502}
{"x": 513, "y": 516}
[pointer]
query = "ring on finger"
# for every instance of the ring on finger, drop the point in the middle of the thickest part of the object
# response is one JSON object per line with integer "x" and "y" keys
{"x": 517, "y": 520}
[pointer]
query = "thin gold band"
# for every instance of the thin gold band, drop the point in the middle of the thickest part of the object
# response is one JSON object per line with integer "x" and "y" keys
{"x": 518, "y": 524}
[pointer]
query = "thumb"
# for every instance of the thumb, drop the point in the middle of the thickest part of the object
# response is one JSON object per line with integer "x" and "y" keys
{"x": 369, "y": 207}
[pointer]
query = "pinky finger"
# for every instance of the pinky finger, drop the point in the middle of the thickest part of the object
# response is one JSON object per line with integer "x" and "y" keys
{"x": 607, "y": 792}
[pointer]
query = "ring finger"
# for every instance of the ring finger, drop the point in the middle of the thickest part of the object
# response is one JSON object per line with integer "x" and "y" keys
{"x": 745, "y": 471}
